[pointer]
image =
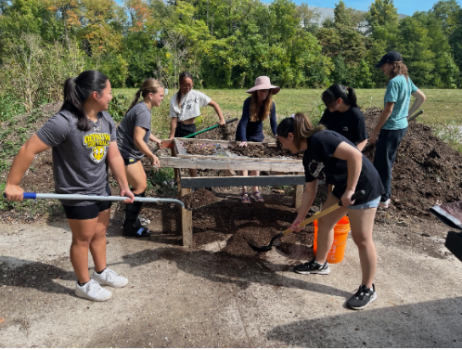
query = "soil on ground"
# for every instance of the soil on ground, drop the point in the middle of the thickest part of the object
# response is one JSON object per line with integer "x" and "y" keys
{"x": 427, "y": 172}
{"x": 199, "y": 198}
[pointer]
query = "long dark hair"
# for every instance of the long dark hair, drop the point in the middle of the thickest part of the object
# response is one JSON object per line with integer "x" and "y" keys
{"x": 149, "y": 85}
{"x": 183, "y": 75}
{"x": 300, "y": 126}
{"x": 77, "y": 90}
{"x": 258, "y": 113}
{"x": 346, "y": 93}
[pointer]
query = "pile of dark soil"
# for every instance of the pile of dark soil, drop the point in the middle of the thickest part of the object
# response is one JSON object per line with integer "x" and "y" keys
{"x": 261, "y": 151}
{"x": 199, "y": 198}
{"x": 427, "y": 171}
{"x": 201, "y": 149}
{"x": 226, "y": 133}
{"x": 239, "y": 224}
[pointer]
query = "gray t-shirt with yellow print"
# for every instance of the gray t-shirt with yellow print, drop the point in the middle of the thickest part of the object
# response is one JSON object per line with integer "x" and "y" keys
{"x": 79, "y": 157}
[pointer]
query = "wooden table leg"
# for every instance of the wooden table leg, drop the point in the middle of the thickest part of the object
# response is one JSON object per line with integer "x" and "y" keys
{"x": 298, "y": 194}
{"x": 186, "y": 221}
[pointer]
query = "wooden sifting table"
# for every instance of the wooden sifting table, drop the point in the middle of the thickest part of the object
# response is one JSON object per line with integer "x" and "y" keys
{"x": 230, "y": 162}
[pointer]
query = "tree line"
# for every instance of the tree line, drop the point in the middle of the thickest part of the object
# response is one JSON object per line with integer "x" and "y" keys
{"x": 223, "y": 43}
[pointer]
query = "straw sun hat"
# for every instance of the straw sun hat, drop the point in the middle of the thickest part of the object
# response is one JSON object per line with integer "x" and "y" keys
{"x": 264, "y": 83}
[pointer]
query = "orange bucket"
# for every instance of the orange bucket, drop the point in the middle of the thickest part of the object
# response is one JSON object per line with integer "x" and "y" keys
{"x": 337, "y": 251}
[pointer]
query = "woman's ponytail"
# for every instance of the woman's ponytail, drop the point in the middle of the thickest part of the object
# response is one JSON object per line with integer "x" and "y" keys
{"x": 352, "y": 99}
{"x": 300, "y": 126}
{"x": 135, "y": 101}
{"x": 336, "y": 91}
{"x": 150, "y": 85}
{"x": 77, "y": 90}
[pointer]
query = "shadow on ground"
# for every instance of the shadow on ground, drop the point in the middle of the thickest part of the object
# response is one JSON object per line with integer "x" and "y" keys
{"x": 429, "y": 324}
{"x": 222, "y": 268}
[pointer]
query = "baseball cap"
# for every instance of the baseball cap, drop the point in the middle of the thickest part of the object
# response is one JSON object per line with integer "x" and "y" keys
{"x": 391, "y": 56}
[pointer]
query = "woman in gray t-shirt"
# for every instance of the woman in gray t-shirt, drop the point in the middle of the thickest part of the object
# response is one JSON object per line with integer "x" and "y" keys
{"x": 133, "y": 135}
{"x": 82, "y": 138}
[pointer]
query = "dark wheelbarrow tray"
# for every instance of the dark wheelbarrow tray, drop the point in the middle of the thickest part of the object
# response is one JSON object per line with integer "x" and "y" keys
{"x": 451, "y": 215}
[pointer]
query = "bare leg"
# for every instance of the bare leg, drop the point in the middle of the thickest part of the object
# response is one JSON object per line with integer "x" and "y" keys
{"x": 326, "y": 228}
{"x": 362, "y": 224}
{"x": 88, "y": 234}
{"x": 136, "y": 177}
{"x": 255, "y": 173}
{"x": 244, "y": 173}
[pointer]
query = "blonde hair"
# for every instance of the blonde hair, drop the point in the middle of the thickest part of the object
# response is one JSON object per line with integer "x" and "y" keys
{"x": 300, "y": 126}
{"x": 150, "y": 85}
{"x": 258, "y": 113}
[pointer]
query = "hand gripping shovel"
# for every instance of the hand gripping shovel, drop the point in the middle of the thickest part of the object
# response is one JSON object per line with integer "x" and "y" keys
{"x": 305, "y": 222}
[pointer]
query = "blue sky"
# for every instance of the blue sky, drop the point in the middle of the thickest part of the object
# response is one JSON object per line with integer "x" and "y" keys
{"x": 405, "y": 7}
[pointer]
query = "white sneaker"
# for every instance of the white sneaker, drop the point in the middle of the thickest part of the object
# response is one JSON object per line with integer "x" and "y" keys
{"x": 110, "y": 278}
{"x": 92, "y": 291}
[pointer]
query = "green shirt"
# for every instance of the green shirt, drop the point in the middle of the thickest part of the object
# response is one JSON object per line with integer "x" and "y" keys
{"x": 399, "y": 91}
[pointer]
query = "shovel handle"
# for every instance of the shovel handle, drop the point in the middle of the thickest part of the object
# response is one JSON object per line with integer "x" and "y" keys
{"x": 210, "y": 128}
{"x": 332, "y": 208}
{"x": 81, "y": 197}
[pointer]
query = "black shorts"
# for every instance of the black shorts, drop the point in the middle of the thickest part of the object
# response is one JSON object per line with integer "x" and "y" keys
{"x": 130, "y": 161}
{"x": 183, "y": 130}
{"x": 86, "y": 212}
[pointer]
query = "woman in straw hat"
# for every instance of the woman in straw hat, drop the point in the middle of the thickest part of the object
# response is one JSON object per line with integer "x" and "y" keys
{"x": 257, "y": 108}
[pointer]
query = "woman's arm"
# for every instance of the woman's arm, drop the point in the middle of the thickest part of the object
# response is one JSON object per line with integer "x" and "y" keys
{"x": 382, "y": 120}
{"x": 307, "y": 201}
{"x": 217, "y": 109}
{"x": 273, "y": 120}
{"x": 116, "y": 163}
{"x": 419, "y": 99}
{"x": 241, "y": 130}
{"x": 156, "y": 140}
{"x": 138, "y": 139}
{"x": 354, "y": 159}
{"x": 361, "y": 145}
{"x": 20, "y": 165}
{"x": 173, "y": 125}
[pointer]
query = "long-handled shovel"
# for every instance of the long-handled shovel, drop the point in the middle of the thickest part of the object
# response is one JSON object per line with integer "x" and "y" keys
{"x": 81, "y": 197}
{"x": 305, "y": 222}
{"x": 210, "y": 128}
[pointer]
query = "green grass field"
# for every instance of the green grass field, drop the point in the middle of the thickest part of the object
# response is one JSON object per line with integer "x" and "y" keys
{"x": 442, "y": 109}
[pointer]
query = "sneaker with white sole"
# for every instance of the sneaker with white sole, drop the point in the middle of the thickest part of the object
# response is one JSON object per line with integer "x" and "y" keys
{"x": 144, "y": 221}
{"x": 92, "y": 291}
{"x": 110, "y": 278}
{"x": 312, "y": 267}
{"x": 363, "y": 297}
{"x": 384, "y": 204}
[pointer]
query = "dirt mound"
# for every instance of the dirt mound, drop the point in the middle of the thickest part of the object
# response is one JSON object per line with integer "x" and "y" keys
{"x": 427, "y": 170}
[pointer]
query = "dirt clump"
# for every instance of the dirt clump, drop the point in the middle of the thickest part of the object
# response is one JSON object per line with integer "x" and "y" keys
{"x": 262, "y": 151}
{"x": 199, "y": 198}
{"x": 427, "y": 171}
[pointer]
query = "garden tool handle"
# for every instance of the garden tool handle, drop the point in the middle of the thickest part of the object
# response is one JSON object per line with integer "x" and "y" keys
{"x": 81, "y": 197}
{"x": 355, "y": 196}
{"x": 210, "y": 128}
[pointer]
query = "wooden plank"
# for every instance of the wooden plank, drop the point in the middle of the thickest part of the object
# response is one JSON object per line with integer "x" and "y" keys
{"x": 231, "y": 164}
{"x": 298, "y": 193}
{"x": 217, "y": 181}
{"x": 186, "y": 221}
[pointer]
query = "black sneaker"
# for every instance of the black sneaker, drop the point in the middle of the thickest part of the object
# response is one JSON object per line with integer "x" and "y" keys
{"x": 363, "y": 297}
{"x": 312, "y": 267}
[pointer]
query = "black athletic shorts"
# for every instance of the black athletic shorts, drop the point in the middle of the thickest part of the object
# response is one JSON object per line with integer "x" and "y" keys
{"x": 130, "y": 161}
{"x": 183, "y": 130}
{"x": 86, "y": 212}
